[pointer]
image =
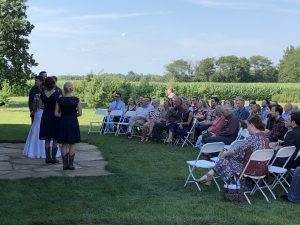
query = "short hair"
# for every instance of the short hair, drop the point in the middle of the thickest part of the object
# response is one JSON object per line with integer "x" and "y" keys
{"x": 267, "y": 101}
{"x": 252, "y": 102}
{"x": 49, "y": 83}
{"x": 171, "y": 89}
{"x": 278, "y": 108}
{"x": 256, "y": 121}
{"x": 216, "y": 99}
{"x": 55, "y": 78}
{"x": 196, "y": 98}
{"x": 68, "y": 87}
{"x": 118, "y": 93}
{"x": 295, "y": 116}
{"x": 40, "y": 78}
{"x": 42, "y": 72}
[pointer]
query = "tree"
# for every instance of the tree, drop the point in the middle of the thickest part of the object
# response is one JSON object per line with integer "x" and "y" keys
{"x": 262, "y": 70}
{"x": 229, "y": 69}
{"x": 289, "y": 67}
{"x": 205, "y": 70}
{"x": 15, "y": 61}
{"x": 179, "y": 70}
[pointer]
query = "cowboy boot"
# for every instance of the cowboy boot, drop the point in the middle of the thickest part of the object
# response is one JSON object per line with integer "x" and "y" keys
{"x": 65, "y": 159}
{"x": 71, "y": 160}
{"x": 48, "y": 159}
{"x": 54, "y": 151}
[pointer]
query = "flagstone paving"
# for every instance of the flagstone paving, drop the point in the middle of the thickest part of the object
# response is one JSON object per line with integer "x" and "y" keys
{"x": 13, "y": 165}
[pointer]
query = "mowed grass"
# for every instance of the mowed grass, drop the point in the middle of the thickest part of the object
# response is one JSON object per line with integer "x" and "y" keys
{"x": 146, "y": 187}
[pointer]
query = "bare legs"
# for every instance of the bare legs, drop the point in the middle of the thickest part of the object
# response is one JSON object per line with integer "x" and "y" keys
{"x": 207, "y": 178}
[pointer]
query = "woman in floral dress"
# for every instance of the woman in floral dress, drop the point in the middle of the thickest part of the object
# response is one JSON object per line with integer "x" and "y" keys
{"x": 233, "y": 162}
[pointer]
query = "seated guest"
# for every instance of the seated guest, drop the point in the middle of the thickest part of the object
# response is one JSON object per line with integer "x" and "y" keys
{"x": 278, "y": 131}
{"x": 200, "y": 110}
{"x": 153, "y": 116}
{"x": 117, "y": 104}
{"x": 255, "y": 109}
{"x": 294, "y": 191}
{"x": 195, "y": 102}
{"x": 210, "y": 117}
{"x": 288, "y": 107}
{"x": 292, "y": 138}
{"x": 215, "y": 128}
{"x": 160, "y": 124}
{"x": 140, "y": 118}
{"x": 131, "y": 105}
{"x": 264, "y": 110}
{"x": 229, "y": 102}
{"x": 230, "y": 130}
{"x": 241, "y": 112}
{"x": 232, "y": 162}
{"x": 181, "y": 127}
{"x": 251, "y": 102}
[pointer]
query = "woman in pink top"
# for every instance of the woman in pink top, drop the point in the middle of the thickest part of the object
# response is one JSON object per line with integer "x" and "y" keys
{"x": 215, "y": 128}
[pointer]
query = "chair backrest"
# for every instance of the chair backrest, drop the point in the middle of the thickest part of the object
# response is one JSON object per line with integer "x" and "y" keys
{"x": 264, "y": 155}
{"x": 298, "y": 155}
{"x": 212, "y": 147}
{"x": 284, "y": 152}
{"x": 236, "y": 144}
{"x": 116, "y": 113}
{"x": 243, "y": 134}
{"x": 101, "y": 112}
{"x": 130, "y": 114}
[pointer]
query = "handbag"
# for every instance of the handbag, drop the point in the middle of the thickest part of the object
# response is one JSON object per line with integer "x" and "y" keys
{"x": 233, "y": 193}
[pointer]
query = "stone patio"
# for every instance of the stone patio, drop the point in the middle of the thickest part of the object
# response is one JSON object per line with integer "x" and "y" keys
{"x": 13, "y": 165}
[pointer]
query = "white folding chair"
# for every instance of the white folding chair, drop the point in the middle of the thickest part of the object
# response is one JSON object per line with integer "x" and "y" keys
{"x": 243, "y": 133}
{"x": 279, "y": 172}
{"x": 98, "y": 118}
{"x": 185, "y": 139}
{"x": 234, "y": 145}
{"x": 204, "y": 164}
{"x": 123, "y": 122}
{"x": 264, "y": 155}
{"x": 109, "y": 123}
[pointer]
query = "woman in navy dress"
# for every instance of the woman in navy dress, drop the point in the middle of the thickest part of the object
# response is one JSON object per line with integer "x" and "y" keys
{"x": 49, "y": 123}
{"x": 68, "y": 108}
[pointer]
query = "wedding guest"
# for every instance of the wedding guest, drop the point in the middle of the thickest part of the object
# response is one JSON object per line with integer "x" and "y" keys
{"x": 49, "y": 123}
{"x": 68, "y": 108}
{"x": 36, "y": 89}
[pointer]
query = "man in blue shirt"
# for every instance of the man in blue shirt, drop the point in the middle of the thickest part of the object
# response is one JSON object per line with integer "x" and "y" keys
{"x": 241, "y": 112}
{"x": 118, "y": 104}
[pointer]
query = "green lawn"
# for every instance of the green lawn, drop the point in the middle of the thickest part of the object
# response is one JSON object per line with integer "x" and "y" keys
{"x": 146, "y": 188}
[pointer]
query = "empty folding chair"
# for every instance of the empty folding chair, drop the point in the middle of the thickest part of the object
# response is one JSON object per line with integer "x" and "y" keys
{"x": 279, "y": 172}
{"x": 263, "y": 156}
{"x": 208, "y": 148}
{"x": 109, "y": 124}
{"x": 124, "y": 122}
{"x": 98, "y": 118}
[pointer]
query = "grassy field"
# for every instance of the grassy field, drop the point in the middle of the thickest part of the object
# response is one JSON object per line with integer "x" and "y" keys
{"x": 146, "y": 187}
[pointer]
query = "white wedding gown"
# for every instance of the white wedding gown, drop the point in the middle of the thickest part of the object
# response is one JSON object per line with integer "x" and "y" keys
{"x": 34, "y": 147}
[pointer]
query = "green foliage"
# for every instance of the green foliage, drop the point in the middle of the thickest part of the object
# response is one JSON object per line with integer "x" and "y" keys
{"x": 5, "y": 92}
{"x": 15, "y": 61}
{"x": 179, "y": 71}
{"x": 205, "y": 69}
{"x": 289, "y": 68}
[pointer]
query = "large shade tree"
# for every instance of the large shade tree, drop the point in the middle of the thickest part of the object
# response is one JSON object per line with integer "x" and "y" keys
{"x": 15, "y": 61}
{"x": 289, "y": 67}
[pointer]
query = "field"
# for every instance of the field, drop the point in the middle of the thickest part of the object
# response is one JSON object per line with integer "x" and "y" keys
{"x": 146, "y": 187}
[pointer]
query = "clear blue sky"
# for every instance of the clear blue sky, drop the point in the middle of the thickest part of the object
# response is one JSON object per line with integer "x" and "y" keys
{"x": 116, "y": 36}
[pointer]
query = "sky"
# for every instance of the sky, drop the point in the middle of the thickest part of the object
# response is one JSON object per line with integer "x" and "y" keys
{"x": 118, "y": 36}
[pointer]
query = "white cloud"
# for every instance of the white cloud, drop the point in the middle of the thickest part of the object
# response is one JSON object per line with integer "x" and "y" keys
{"x": 109, "y": 16}
{"x": 45, "y": 12}
{"x": 123, "y": 34}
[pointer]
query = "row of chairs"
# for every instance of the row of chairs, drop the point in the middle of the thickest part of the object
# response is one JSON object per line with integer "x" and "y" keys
{"x": 264, "y": 155}
{"x": 102, "y": 122}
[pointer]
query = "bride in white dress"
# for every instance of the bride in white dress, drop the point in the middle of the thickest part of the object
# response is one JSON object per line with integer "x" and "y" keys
{"x": 34, "y": 147}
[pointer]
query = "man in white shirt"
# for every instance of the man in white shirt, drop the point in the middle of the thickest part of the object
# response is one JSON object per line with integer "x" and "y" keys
{"x": 140, "y": 118}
